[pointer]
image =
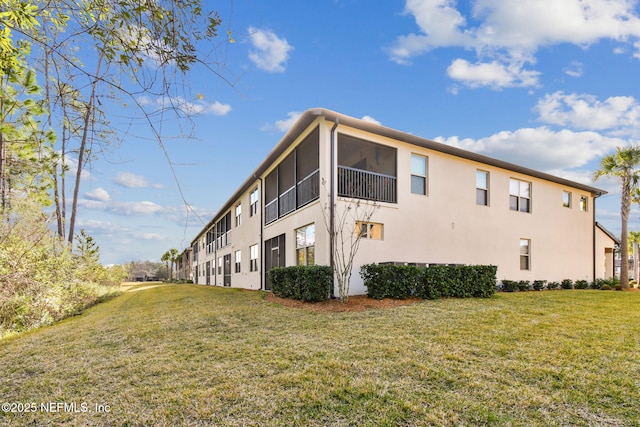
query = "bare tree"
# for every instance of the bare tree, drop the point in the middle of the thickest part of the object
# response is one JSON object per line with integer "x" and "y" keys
{"x": 347, "y": 222}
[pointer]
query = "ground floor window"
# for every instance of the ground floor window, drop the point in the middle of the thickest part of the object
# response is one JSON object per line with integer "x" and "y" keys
{"x": 306, "y": 245}
{"x": 525, "y": 254}
{"x": 238, "y": 261}
{"x": 253, "y": 252}
{"x": 370, "y": 230}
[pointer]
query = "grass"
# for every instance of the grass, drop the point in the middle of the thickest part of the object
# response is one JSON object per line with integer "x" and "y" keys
{"x": 194, "y": 355}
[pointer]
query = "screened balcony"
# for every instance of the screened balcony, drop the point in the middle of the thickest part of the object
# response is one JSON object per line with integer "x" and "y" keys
{"x": 366, "y": 170}
{"x": 295, "y": 182}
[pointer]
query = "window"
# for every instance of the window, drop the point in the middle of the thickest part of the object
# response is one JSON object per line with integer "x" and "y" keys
{"x": 220, "y": 265}
{"x": 253, "y": 251}
{"x": 584, "y": 203}
{"x": 238, "y": 214}
{"x": 566, "y": 199}
{"x": 520, "y": 195}
{"x": 306, "y": 245}
{"x": 482, "y": 188}
{"x": 253, "y": 199}
{"x": 369, "y": 230}
{"x": 418, "y": 174}
{"x": 525, "y": 254}
{"x": 238, "y": 261}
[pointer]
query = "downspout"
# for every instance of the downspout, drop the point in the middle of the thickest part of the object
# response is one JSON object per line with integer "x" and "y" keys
{"x": 332, "y": 200}
{"x": 261, "y": 248}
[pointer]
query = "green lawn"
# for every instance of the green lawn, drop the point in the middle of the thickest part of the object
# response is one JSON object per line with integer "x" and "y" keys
{"x": 195, "y": 355}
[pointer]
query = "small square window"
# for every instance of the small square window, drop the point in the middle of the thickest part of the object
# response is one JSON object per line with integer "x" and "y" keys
{"x": 584, "y": 203}
{"x": 370, "y": 230}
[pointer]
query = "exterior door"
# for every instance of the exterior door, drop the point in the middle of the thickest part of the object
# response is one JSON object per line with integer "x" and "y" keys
{"x": 274, "y": 253}
{"x": 227, "y": 270}
{"x": 208, "y": 272}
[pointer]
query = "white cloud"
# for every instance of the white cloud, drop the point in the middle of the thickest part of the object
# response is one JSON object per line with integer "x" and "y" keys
{"x": 99, "y": 194}
{"x": 269, "y": 52}
{"x": 178, "y": 103}
{"x": 131, "y": 180}
{"x": 506, "y": 31}
{"x": 540, "y": 148}
{"x": 371, "y": 120}
{"x": 574, "y": 69}
{"x": 492, "y": 74}
{"x": 620, "y": 115}
{"x": 283, "y": 125}
{"x": 125, "y": 208}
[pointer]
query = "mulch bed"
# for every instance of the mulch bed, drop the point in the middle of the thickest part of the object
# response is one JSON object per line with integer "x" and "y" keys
{"x": 354, "y": 303}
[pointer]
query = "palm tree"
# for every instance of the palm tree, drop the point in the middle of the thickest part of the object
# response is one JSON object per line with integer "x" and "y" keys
{"x": 173, "y": 258}
{"x": 165, "y": 258}
{"x": 623, "y": 165}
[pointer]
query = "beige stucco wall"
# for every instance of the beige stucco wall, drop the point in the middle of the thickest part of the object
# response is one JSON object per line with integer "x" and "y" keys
{"x": 604, "y": 254}
{"x": 447, "y": 226}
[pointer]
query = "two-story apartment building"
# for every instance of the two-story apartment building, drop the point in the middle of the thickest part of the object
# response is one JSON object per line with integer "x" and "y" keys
{"x": 436, "y": 204}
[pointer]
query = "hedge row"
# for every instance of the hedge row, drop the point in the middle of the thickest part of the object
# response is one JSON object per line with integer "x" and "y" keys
{"x": 538, "y": 285}
{"x": 438, "y": 281}
{"x": 309, "y": 283}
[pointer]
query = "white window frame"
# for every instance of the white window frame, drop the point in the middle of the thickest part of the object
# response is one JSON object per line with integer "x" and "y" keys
{"x": 306, "y": 244}
{"x": 254, "y": 197}
{"x": 484, "y": 189}
{"x": 520, "y": 196}
{"x": 525, "y": 254}
{"x": 238, "y": 263}
{"x": 369, "y": 230}
{"x": 418, "y": 174}
{"x": 254, "y": 254}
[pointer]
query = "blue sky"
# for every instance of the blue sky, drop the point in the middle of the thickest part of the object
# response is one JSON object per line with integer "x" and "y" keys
{"x": 548, "y": 84}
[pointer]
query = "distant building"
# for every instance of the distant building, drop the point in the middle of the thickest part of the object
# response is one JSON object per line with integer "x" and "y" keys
{"x": 437, "y": 205}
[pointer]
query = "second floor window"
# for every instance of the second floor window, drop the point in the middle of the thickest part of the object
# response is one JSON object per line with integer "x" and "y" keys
{"x": 482, "y": 188}
{"x": 584, "y": 203}
{"x": 253, "y": 200}
{"x": 566, "y": 199}
{"x": 238, "y": 215}
{"x": 519, "y": 195}
{"x": 418, "y": 174}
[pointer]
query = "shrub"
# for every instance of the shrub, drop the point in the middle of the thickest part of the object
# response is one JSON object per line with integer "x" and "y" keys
{"x": 567, "y": 284}
{"x": 605, "y": 287}
{"x": 538, "y": 285}
{"x": 509, "y": 285}
{"x": 553, "y": 285}
{"x": 438, "y": 281}
{"x": 596, "y": 284}
{"x": 457, "y": 281}
{"x": 581, "y": 284}
{"x": 390, "y": 281}
{"x": 308, "y": 283}
{"x": 524, "y": 285}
